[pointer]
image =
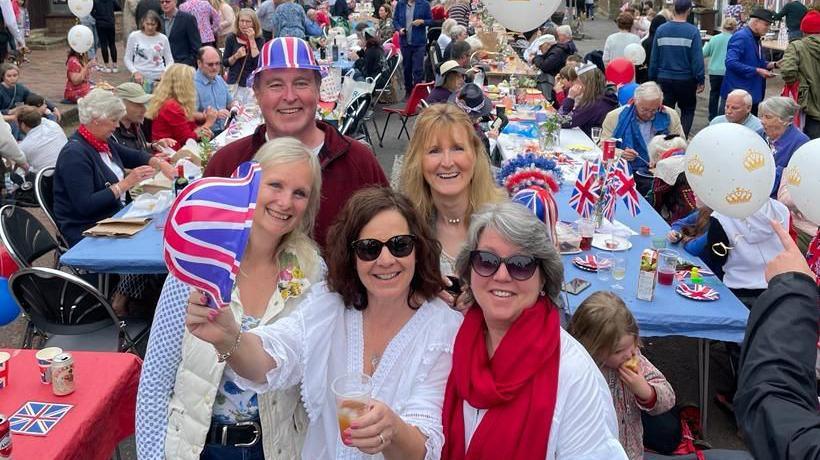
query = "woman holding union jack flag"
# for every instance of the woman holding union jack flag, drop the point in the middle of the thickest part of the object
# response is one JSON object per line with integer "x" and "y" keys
{"x": 189, "y": 405}
{"x": 377, "y": 315}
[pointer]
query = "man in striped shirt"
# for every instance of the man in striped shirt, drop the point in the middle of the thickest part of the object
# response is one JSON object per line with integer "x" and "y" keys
{"x": 460, "y": 11}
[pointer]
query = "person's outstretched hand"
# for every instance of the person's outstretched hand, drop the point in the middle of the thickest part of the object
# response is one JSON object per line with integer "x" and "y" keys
{"x": 790, "y": 260}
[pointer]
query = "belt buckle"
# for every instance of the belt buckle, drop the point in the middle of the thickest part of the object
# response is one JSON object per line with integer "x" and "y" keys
{"x": 256, "y": 431}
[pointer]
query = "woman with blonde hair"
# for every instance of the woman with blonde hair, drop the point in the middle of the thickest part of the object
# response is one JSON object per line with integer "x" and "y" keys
{"x": 241, "y": 53}
{"x": 173, "y": 106}
{"x": 226, "y": 23}
{"x": 589, "y": 99}
{"x": 188, "y": 404}
{"x": 447, "y": 176}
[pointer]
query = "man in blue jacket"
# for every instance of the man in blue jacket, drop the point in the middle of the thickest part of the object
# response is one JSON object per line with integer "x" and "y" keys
{"x": 745, "y": 66}
{"x": 182, "y": 32}
{"x": 411, "y": 19}
{"x": 677, "y": 63}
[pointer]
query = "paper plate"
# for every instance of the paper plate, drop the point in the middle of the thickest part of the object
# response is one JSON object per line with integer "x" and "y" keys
{"x": 599, "y": 242}
{"x": 588, "y": 263}
{"x": 699, "y": 292}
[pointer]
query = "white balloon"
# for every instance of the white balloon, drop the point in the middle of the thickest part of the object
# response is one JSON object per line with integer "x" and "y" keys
{"x": 80, "y": 38}
{"x": 731, "y": 169}
{"x": 635, "y": 53}
{"x": 521, "y": 15}
{"x": 80, "y": 8}
{"x": 802, "y": 178}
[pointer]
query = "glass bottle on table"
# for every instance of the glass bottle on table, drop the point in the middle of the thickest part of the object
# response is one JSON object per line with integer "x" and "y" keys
{"x": 181, "y": 181}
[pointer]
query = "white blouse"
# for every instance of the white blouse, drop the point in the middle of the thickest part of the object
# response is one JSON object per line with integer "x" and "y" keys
{"x": 323, "y": 340}
{"x": 584, "y": 426}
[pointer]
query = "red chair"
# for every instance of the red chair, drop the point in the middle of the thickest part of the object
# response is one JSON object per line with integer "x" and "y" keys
{"x": 410, "y": 110}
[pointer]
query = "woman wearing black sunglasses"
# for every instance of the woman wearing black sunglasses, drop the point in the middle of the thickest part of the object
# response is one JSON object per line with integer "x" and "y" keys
{"x": 521, "y": 387}
{"x": 377, "y": 315}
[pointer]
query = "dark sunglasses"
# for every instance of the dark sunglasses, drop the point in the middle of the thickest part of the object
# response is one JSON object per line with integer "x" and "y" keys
{"x": 369, "y": 249}
{"x": 520, "y": 267}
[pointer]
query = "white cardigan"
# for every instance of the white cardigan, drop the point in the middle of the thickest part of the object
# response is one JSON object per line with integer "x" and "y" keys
{"x": 584, "y": 426}
{"x": 324, "y": 340}
{"x": 181, "y": 376}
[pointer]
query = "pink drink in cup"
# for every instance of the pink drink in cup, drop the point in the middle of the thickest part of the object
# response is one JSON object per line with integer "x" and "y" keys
{"x": 667, "y": 266}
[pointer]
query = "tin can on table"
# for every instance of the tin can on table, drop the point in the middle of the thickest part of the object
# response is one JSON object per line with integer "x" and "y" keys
{"x": 608, "y": 147}
{"x": 4, "y": 369}
{"x": 5, "y": 438}
{"x": 44, "y": 358}
{"x": 62, "y": 374}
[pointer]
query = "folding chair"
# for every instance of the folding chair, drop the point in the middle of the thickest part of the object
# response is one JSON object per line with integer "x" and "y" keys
{"x": 44, "y": 192}
{"x": 383, "y": 87}
{"x": 410, "y": 110}
{"x": 26, "y": 240}
{"x": 354, "y": 118}
{"x": 71, "y": 313}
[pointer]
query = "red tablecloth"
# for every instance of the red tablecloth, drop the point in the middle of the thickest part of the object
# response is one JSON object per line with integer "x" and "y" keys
{"x": 104, "y": 402}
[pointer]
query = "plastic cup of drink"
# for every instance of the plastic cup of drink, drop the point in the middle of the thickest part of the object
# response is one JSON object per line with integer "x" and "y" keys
{"x": 5, "y": 358}
{"x": 44, "y": 358}
{"x": 352, "y": 393}
{"x": 586, "y": 228}
{"x": 667, "y": 266}
{"x": 159, "y": 219}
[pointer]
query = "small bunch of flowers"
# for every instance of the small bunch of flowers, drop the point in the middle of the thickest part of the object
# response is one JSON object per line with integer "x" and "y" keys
{"x": 292, "y": 280}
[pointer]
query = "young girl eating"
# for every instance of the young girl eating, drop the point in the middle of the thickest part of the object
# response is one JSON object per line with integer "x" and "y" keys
{"x": 606, "y": 328}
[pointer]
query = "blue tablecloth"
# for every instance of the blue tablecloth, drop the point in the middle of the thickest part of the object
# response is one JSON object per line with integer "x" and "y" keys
{"x": 139, "y": 254}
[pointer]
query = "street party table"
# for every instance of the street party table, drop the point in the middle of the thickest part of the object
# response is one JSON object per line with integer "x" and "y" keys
{"x": 138, "y": 254}
{"x": 668, "y": 314}
{"x": 104, "y": 405}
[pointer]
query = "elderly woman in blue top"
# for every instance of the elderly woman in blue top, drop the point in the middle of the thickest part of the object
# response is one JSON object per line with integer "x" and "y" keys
{"x": 777, "y": 115}
{"x": 90, "y": 182}
{"x": 636, "y": 124}
{"x": 188, "y": 398}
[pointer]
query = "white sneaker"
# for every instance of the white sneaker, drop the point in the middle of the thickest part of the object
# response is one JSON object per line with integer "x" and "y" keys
{"x": 115, "y": 69}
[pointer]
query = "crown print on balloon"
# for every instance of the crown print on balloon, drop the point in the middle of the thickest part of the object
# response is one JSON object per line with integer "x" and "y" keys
{"x": 792, "y": 174}
{"x": 739, "y": 195}
{"x": 695, "y": 165}
{"x": 753, "y": 160}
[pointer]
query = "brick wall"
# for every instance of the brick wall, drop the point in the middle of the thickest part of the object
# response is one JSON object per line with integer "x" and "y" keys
{"x": 58, "y": 25}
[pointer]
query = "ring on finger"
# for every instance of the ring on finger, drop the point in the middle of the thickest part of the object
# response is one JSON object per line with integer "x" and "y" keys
{"x": 381, "y": 439}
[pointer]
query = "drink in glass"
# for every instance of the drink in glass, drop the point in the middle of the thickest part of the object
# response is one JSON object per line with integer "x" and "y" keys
{"x": 618, "y": 272}
{"x": 586, "y": 228}
{"x": 595, "y": 134}
{"x": 667, "y": 266}
{"x": 603, "y": 266}
{"x": 352, "y": 393}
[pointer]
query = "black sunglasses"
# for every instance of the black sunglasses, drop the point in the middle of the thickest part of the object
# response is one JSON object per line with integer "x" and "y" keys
{"x": 369, "y": 249}
{"x": 520, "y": 267}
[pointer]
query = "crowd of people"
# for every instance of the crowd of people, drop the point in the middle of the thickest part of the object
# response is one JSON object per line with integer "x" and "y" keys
{"x": 442, "y": 291}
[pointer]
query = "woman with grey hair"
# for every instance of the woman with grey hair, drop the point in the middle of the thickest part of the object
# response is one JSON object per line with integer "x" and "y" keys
{"x": 776, "y": 115}
{"x": 457, "y": 33}
{"x": 520, "y": 386}
{"x": 90, "y": 182}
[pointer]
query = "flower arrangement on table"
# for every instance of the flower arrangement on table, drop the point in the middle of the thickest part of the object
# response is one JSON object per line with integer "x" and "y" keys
{"x": 206, "y": 150}
{"x": 549, "y": 131}
{"x": 292, "y": 280}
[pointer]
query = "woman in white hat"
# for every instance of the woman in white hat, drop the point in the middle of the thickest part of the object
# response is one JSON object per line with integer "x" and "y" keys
{"x": 450, "y": 80}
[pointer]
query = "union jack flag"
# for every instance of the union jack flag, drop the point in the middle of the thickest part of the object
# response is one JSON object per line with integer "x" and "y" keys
{"x": 697, "y": 291}
{"x": 208, "y": 228}
{"x": 37, "y": 418}
{"x": 585, "y": 194}
{"x": 626, "y": 187}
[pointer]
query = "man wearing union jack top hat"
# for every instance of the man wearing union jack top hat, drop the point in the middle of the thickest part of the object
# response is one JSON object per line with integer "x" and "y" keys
{"x": 286, "y": 86}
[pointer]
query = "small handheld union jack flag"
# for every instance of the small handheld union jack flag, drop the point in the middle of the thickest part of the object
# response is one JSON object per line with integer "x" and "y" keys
{"x": 208, "y": 228}
{"x": 626, "y": 186}
{"x": 585, "y": 194}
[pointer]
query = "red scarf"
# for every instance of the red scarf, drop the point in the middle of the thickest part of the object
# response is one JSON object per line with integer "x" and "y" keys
{"x": 100, "y": 146}
{"x": 518, "y": 385}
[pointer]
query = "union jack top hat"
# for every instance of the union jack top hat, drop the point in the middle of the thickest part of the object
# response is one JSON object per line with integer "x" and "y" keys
{"x": 285, "y": 53}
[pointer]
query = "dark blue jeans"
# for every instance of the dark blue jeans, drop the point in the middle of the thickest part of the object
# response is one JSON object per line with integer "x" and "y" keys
{"x": 413, "y": 61}
{"x": 715, "y": 81}
{"x": 220, "y": 452}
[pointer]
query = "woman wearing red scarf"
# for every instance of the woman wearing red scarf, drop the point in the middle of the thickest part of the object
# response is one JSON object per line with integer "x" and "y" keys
{"x": 521, "y": 388}
{"x": 92, "y": 176}
{"x": 241, "y": 54}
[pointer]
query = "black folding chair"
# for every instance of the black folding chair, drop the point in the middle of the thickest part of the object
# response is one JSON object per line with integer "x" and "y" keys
{"x": 354, "y": 124}
{"x": 73, "y": 314}
{"x": 44, "y": 192}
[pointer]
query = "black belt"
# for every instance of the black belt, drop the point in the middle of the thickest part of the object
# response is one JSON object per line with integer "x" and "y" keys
{"x": 242, "y": 434}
